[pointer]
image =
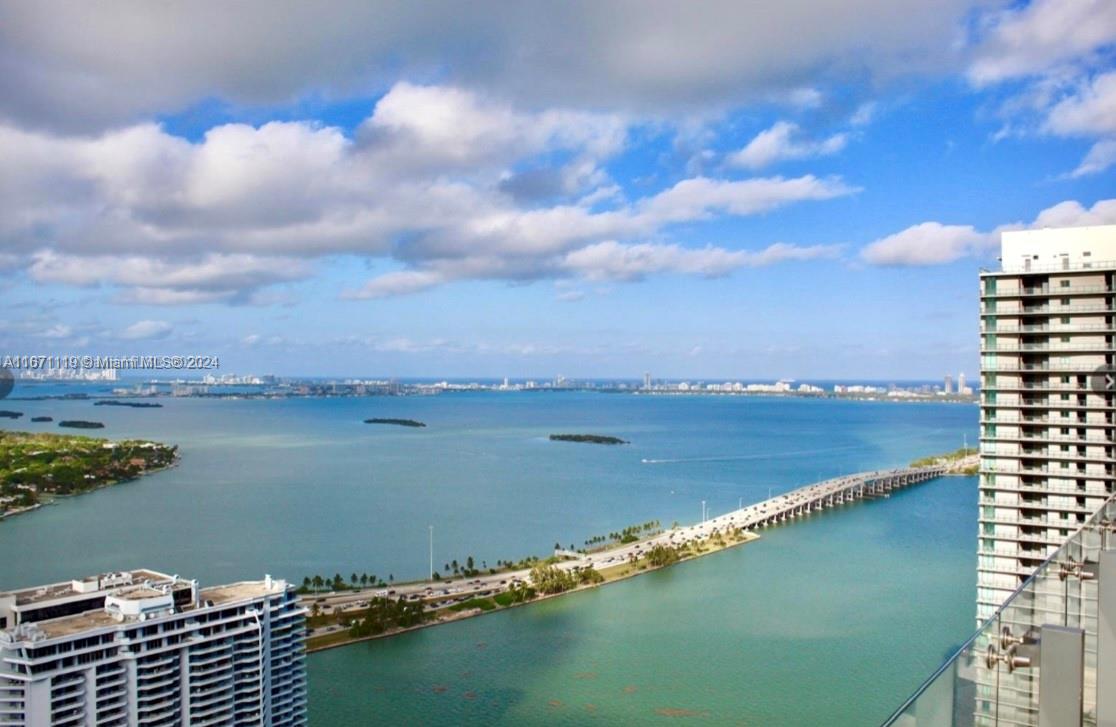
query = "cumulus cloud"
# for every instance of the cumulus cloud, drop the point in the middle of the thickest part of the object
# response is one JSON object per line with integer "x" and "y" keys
{"x": 1059, "y": 54}
{"x": 783, "y": 141}
{"x": 1090, "y": 110}
{"x": 932, "y": 243}
{"x": 929, "y": 243}
{"x": 145, "y": 330}
{"x": 1073, "y": 214}
{"x": 206, "y": 279}
{"x": 77, "y": 66}
{"x": 424, "y": 182}
{"x": 1032, "y": 39}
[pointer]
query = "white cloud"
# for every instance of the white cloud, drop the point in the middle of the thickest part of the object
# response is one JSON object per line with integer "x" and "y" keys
{"x": 697, "y": 198}
{"x": 928, "y": 243}
{"x": 1090, "y": 110}
{"x": 77, "y": 66}
{"x": 932, "y": 243}
{"x": 1073, "y": 214}
{"x": 614, "y": 261}
{"x": 1101, "y": 156}
{"x": 782, "y": 141}
{"x": 153, "y": 281}
{"x": 864, "y": 113}
{"x": 58, "y": 330}
{"x": 1043, "y": 35}
{"x": 402, "y": 282}
{"x": 144, "y": 330}
{"x": 1061, "y": 52}
{"x": 425, "y": 183}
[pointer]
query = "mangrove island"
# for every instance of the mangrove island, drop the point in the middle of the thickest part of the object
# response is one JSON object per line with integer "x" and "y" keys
{"x": 590, "y": 438}
{"x": 396, "y": 422}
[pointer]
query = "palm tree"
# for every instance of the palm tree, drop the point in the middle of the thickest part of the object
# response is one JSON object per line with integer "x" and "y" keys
{"x": 363, "y": 580}
{"x": 306, "y": 583}
{"x": 318, "y": 582}
{"x": 353, "y": 578}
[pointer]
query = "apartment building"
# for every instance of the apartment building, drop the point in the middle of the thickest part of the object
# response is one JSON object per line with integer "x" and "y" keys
{"x": 1048, "y": 321}
{"x": 145, "y": 648}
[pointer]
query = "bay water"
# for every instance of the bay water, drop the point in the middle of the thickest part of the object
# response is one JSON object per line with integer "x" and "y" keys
{"x": 841, "y": 614}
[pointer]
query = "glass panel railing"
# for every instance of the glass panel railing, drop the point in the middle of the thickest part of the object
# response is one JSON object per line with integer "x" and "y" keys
{"x": 997, "y": 678}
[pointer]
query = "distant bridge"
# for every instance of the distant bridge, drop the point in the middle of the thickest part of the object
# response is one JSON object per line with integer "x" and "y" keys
{"x": 825, "y": 494}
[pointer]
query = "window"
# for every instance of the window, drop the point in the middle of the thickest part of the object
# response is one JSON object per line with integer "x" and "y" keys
{"x": 1065, "y": 283}
{"x": 1065, "y": 320}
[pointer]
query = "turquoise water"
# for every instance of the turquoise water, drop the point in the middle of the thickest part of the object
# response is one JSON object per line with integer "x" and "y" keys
{"x": 846, "y": 612}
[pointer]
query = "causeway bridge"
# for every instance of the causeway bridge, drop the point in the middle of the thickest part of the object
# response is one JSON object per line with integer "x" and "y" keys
{"x": 825, "y": 494}
{"x": 776, "y": 510}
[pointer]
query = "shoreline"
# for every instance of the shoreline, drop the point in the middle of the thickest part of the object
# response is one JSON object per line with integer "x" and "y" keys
{"x": 709, "y": 539}
{"x": 54, "y": 498}
{"x": 633, "y": 570}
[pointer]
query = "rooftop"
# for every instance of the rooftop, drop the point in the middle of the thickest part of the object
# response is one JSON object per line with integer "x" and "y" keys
{"x": 99, "y": 618}
{"x": 55, "y": 591}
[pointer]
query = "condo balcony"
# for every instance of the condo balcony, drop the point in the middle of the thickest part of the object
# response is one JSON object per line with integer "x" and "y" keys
{"x": 1093, "y": 325}
{"x": 1045, "y": 310}
{"x": 1042, "y": 657}
{"x": 1045, "y": 291}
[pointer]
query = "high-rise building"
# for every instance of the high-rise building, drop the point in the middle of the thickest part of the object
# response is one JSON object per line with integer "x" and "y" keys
{"x": 947, "y": 385}
{"x": 961, "y": 383}
{"x": 1048, "y": 321}
{"x": 145, "y": 648}
{"x": 647, "y": 380}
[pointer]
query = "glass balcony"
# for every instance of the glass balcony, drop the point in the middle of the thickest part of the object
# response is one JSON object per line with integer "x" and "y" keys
{"x": 1047, "y": 656}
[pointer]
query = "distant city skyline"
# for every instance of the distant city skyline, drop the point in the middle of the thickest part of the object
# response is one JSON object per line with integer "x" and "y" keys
{"x": 802, "y": 191}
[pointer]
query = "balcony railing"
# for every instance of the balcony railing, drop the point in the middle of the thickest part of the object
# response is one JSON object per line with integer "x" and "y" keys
{"x": 1044, "y": 656}
{"x": 1047, "y": 291}
{"x": 1045, "y": 310}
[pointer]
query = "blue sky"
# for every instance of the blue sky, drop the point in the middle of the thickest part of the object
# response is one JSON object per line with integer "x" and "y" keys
{"x": 800, "y": 191}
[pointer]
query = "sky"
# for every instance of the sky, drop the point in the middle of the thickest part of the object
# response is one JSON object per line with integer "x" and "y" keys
{"x": 708, "y": 190}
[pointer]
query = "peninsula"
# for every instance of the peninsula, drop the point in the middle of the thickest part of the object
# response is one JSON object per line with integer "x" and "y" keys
{"x": 396, "y": 422}
{"x": 35, "y": 468}
{"x": 343, "y": 613}
{"x": 589, "y": 438}
{"x": 133, "y": 404}
{"x": 80, "y": 424}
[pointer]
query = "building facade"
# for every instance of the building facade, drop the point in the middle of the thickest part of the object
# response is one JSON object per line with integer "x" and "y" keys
{"x": 1048, "y": 321}
{"x": 146, "y": 648}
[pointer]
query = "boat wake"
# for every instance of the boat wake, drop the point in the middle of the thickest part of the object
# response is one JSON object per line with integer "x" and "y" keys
{"x": 776, "y": 455}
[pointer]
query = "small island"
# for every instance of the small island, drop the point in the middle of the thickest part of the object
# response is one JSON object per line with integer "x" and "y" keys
{"x": 8, "y": 414}
{"x": 396, "y": 422}
{"x": 36, "y": 468}
{"x": 589, "y": 438}
{"x": 133, "y": 404}
{"x": 80, "y": 424}
{"x": 42, "y": 419}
